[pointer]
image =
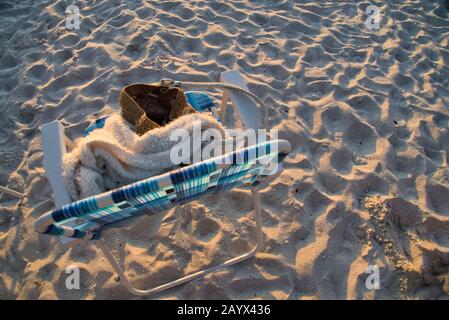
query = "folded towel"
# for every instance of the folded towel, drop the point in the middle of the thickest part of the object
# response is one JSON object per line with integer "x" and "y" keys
{"x": 114, "y": 155}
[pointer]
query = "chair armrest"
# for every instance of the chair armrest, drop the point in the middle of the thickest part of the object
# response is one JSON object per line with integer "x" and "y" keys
{"x": 54, "y": 143}
{"x": 247, "y": 109}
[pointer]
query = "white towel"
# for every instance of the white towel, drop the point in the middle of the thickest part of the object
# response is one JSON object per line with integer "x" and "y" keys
{"x": 114, "y": 155}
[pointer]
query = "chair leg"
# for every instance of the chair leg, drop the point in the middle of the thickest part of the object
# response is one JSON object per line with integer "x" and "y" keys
{"x": 224, "y": 106}
{"x": 69, "y": 143}
{"x": 198, "y": 274}
{"x": 11, "y": 192}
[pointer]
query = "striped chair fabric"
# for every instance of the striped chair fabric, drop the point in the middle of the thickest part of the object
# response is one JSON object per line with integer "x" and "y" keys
{"x": 97, "y": 124}
{"x": 200, "y": 101}
{"x": 86, "y": 218}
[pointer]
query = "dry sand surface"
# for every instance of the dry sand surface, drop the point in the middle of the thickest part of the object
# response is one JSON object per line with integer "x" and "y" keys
{"x": 366, "y": 112}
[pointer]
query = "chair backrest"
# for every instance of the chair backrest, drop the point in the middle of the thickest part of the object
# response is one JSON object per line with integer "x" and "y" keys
{"x": 86, "y": 218}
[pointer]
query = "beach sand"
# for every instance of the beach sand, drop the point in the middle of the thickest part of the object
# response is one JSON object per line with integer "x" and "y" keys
{"x": 366, "y": 112}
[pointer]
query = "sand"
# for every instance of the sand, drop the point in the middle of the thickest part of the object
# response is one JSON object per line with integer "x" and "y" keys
{"x": 366, "y": 112}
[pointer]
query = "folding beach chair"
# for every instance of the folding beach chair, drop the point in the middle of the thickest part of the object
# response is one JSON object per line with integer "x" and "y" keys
{"x": 87, "y": 218}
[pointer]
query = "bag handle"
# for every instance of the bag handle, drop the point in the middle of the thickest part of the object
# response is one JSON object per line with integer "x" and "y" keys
{"x": 214, "y": 85}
